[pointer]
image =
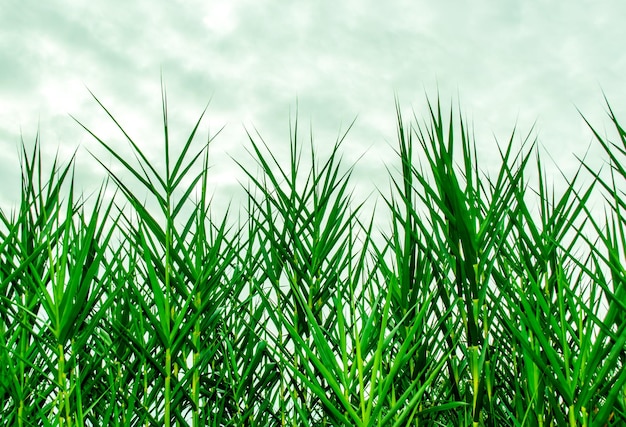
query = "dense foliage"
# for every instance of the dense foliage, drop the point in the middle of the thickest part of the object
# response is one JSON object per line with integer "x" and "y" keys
{"x": 490, "y": 300}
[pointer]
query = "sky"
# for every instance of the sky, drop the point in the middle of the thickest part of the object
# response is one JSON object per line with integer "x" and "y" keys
{"x": 505, "y": 63}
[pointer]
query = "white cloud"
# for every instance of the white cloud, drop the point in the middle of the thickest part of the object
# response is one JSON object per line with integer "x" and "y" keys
{"x": 221, "y": 18}
{"x": 508, "y": 61}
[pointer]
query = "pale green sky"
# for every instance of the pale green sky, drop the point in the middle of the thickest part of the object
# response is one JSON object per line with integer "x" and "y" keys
{"x": 507, "y": 62}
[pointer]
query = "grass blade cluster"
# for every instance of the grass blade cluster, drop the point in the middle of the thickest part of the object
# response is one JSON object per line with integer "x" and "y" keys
{"x": 490, "y": 300}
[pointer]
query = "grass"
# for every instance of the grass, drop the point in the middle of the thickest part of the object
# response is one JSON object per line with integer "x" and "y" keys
{"x": 489, "y": 300}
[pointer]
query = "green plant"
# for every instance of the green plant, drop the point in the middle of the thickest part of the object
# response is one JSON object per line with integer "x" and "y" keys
{"x": 473, "y": 308}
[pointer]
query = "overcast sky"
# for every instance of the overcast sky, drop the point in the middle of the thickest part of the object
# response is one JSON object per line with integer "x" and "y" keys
{"x": 505, "y": 62}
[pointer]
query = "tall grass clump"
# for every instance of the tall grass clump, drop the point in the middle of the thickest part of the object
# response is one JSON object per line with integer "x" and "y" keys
{"x": 489, "y": 299}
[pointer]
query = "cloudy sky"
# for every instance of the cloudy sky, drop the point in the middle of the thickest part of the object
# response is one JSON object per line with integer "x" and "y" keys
{"x": 505, "y": 62}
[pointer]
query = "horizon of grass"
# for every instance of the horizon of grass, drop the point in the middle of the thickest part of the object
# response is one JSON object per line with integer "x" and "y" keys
{"x": 472, "y": 309}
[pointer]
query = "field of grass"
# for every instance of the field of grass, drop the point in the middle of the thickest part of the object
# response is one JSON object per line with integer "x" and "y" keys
{"x": 488, "y": 301}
